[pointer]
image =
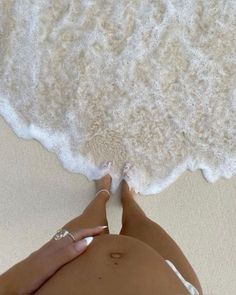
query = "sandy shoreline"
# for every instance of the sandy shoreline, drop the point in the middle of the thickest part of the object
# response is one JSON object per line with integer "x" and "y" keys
{"x": 35, "y": 190}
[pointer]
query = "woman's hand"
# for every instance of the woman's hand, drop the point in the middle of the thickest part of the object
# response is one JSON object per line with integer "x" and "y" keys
{"x": 28, "y": 275}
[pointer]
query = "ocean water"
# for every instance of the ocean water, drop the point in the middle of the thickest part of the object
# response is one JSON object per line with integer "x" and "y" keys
{"x": 148, "y": 82}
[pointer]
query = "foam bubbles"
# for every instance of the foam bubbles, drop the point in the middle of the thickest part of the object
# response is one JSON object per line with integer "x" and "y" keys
{"x": 151, "y": 83}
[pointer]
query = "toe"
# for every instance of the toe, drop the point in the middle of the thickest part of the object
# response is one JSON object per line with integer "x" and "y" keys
{"x": 107, "y": 165}
{"x": 126, "y": 169}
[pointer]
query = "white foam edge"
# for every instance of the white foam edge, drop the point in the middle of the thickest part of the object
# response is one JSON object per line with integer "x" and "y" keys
{"x": 54, "y": 142}
{"x": 225, "y": 170}
{"x": 58, "y": 144}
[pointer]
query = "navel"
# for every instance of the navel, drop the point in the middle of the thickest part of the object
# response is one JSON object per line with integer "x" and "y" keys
{"x": 116, "y": 255}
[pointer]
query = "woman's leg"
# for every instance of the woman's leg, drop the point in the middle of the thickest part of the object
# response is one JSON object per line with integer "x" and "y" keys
{"x": 136, "y": 224}
{"x": 95, "y": 213}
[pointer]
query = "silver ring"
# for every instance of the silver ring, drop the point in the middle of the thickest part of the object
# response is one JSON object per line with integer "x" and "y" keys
{"x": 61, "y": 233}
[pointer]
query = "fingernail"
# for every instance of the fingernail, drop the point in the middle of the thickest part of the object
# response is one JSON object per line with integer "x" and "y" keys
{"x": 83, "y": 243}
{"x": 103, "y": 226}
{"x": 88, "y": 240}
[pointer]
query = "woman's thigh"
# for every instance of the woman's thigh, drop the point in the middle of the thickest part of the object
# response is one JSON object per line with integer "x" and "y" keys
{"x": 115, "y": 264}
{"x": 149, "y": 232}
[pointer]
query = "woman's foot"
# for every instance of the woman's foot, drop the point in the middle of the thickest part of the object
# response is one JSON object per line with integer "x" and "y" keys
{"x": 126, "y": 191}
{"x": 105, "y": 181}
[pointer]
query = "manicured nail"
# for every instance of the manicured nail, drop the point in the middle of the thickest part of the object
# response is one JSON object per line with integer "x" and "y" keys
{"x": 103, "y": 226}
{"x": 83, "y": 243}
{"x": 88, "y": 240}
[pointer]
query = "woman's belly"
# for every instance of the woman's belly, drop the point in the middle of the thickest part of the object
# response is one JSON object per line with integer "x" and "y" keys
{"x": 115, "y": 264}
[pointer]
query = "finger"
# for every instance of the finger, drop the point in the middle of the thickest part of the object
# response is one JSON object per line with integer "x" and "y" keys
{"x": 45, "y": 267}
{"x": 52, "y": 245}
{"x": 85, "y": 232}
{"x": 32, "y": 272}
{"x": 66, "y": 254}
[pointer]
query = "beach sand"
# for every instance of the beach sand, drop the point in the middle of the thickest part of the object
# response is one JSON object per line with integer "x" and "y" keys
{"x": 38, "y": 196}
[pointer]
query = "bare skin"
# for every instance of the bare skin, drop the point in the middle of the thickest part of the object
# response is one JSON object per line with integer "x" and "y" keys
{"x": 132, "y": 262}
{"x": 96, "y": 272}
{"x": 134, "y": 269}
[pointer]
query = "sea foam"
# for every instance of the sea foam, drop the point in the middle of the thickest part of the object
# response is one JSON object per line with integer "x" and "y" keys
{"x": 148, "y": 82}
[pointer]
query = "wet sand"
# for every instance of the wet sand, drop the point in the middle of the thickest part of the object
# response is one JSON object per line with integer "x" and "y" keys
{"x": 35, "y": 189}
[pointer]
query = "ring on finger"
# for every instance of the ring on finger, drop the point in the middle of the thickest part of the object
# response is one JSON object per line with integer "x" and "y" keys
{"x": 61, "y": 233}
